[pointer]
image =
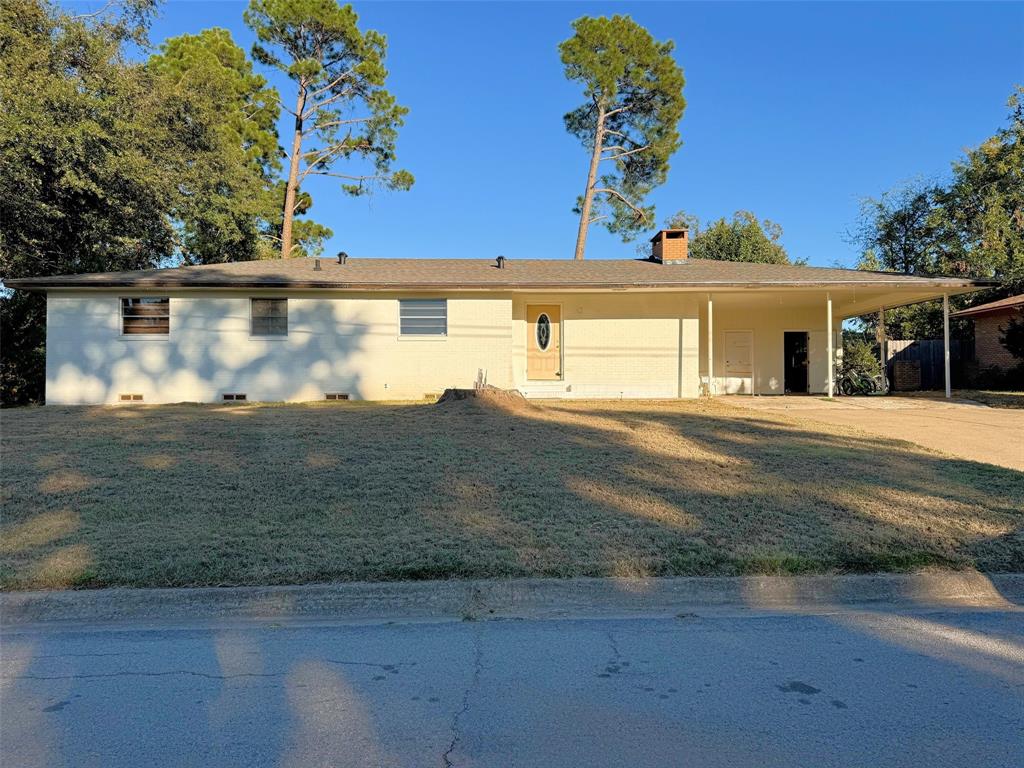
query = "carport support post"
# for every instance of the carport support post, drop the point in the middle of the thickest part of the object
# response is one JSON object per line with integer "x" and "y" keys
{"x": 945, "y": 342}
{"x": 881, "y": 338}
{"x": 828, "y": 345}
{"x": 711, "y": 354}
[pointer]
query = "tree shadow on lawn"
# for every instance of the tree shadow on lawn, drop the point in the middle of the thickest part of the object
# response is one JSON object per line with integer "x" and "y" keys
{"x": 288, "y": 494}
{"x": 694, "y": 490}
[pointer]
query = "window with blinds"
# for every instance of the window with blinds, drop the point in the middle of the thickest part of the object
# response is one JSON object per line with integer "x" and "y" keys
{"x": 423, "y": 317}
{"x": 147, "y": 315}
{"x": 268, "y": 317}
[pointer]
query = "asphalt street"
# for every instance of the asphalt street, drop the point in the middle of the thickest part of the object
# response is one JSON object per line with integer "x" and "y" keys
{"x": 726, "y": 688}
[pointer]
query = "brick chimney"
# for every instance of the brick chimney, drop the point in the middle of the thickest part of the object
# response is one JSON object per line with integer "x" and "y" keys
{"x": 670, "y": 246}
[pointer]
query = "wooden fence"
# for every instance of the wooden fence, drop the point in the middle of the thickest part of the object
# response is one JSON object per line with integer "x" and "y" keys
{"x": 928, "y": 353}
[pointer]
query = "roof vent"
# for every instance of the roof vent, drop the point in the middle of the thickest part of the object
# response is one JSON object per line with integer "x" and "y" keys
{"x": 670, "y": 246}
{"x": 316, "y": 265}
{"x": 342, "y": 257}
{"x": 501, "y": 262}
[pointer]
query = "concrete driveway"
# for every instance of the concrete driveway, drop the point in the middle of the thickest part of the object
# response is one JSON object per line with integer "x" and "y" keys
{"x": 961, "y": 428}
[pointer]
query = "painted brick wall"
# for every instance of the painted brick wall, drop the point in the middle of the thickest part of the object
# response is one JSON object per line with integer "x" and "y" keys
{"x": 335, "y": 343}
{"x": 616, "y": 345}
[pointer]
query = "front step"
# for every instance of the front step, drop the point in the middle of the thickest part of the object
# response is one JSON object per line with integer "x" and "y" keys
{"x": 544, "y": 389}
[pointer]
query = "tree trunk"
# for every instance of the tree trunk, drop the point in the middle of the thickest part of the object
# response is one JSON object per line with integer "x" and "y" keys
{"x": 588, "y": 194}
{"x": 292, "y": 189}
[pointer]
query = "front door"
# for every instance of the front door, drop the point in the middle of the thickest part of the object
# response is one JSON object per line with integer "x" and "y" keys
{"x": 544, "y": 342}
{"x": 795, "y": 368}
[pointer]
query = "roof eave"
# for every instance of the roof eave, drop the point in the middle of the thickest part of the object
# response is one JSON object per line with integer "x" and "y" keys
{"x": 36, "y": 284}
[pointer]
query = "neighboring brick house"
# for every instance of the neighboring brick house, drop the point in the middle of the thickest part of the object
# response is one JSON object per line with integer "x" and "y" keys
{"x": 990, "y": 320}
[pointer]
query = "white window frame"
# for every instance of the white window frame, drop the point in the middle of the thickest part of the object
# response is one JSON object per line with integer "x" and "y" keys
{"x": 143, "y": 336}
{"x": 423, "y": 336}
{"x": 287, "y": 318}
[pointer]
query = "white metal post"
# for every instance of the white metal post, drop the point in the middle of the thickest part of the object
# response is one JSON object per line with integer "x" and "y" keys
{"x": 830, "y": 351}
{"x": 945, "y": 342}
{"x": 711, "y": 354}
{"x": 881, "y": 338}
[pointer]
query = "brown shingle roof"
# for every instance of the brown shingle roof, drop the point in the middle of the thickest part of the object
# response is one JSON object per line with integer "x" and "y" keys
{"x": 1011, "y": 302}
{"x": 383, "y": 274}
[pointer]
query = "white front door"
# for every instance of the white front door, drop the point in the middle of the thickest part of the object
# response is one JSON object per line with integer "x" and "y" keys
{"x": 739, "y": 362}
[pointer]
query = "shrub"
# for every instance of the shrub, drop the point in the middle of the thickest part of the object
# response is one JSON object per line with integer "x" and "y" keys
{"x": 860, "y": 356}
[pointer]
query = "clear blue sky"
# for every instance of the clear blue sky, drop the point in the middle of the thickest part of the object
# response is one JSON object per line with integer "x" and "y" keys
{"x": 795, "y": 111}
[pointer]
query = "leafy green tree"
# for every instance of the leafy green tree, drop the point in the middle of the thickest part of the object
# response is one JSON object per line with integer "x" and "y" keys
{"x": 971, "y": 227}
{"x": 84, "y": 145}
{"x": 901, "y": 230}
{"x": 981, "y": 213}
{"x": 860, "y": 355}
{"x": 109, "y": 164}
{"x": 744, "y": 238}
{"x": 634, "y": 102}
{"x": 1012, "y": 337}
{"x": 341, "y": 105}
{"x": 80, "y": 131}
{"x": 234, "y": 113}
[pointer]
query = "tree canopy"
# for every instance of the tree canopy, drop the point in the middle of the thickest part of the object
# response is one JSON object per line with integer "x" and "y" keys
{"x": 742, "y": 238}
{"x": 210, "y": 84}
{"x": 341, "y": 105}
{"x": 972, "y": 226}
{"x": 114, "y": 164}
{"x": 633, "y": 92}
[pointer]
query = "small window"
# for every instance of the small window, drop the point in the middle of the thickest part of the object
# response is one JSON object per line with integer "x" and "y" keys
{"x": 423, "y": 317}
{"x": 230, "y": 396}
{"x": 147, "y": 315}
{"x": 269, "y": 317}
{"x": 336, "y": 395}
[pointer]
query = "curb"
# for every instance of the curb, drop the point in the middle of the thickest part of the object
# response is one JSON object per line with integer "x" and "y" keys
{"x": 518, "y": 598}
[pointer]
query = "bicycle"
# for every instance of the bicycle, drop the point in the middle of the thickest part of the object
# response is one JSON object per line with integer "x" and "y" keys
{"x": 855, "y": 382}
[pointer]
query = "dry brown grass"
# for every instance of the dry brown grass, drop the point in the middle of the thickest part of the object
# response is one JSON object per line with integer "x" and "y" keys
{"x": 993, "y": 399}
{"x": 191, "y": 495}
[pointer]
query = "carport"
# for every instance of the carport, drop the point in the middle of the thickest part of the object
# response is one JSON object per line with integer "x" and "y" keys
{"x": 748, "y": 335}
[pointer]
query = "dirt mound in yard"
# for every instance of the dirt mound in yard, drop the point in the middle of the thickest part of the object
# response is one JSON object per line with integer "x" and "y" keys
{"x": 492, "y": 397}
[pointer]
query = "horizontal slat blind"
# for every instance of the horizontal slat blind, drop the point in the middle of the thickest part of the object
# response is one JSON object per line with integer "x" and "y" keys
{"x": 146, "y": 315}
{"x": 423, "y": 317}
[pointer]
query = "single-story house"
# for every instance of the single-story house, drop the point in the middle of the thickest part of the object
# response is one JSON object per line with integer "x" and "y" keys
{"x": 381, "y": 329}
{"x": 990, "y": 320}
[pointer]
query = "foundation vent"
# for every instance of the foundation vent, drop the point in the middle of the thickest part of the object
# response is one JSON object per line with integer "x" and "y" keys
{"x": 336, "y": 396}
{"x": 125, "y": 397}
{"x": 232, "y": 396}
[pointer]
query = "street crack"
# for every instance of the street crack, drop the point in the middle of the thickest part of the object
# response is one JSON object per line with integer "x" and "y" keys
{"x": 478, "y": 655}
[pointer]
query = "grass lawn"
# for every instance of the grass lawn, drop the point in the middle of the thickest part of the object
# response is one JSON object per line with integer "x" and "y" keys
{"x": 991, "y": 398}
{"x": 261, "y": 494}
{"x": 994, "y": 399}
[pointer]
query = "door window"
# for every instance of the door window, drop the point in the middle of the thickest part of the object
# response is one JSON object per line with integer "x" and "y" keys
{"x": 543, "y": 332}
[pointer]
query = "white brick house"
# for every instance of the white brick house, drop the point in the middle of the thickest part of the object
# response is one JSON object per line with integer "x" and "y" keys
{"x": 399, "y": 329}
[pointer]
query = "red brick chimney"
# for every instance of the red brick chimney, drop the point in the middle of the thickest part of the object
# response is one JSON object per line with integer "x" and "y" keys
{"x": 670, "y": 246}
